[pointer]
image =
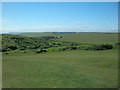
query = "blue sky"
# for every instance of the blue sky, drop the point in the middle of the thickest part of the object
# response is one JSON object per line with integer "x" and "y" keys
{"x": 60, "y": 0}
{"x": 59, "y": 16}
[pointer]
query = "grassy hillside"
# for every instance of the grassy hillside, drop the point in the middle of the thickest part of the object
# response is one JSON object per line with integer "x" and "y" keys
{"x": 33, "y": 34}
{"x": 81, "y": 37}
{"x": 91, "y": 37}
{"x": 15, "y": 42}
{"x": 69, "y": 69}
{"x": 77, "y": 60}
{"x": 47, "y": 43}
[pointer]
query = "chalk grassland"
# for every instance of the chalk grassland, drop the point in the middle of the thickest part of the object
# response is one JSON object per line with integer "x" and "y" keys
{"x": 64, "y": 69}
{"x": 81, "y": 37}
{"x": 92, "y": 37}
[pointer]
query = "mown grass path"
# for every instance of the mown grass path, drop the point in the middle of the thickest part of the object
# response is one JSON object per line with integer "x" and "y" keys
{"x": 68, "y": 69}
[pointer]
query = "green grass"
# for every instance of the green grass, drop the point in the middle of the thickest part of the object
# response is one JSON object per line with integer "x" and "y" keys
{"x": 65, "y": 69}
{"x": 68, "y": 69}
{"x": 33, "y": 34}
{"x": 81, "y": 37}
{"x": 90, "y": 37}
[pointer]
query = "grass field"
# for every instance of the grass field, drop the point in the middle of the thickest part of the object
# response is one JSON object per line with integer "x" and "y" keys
{"x": 81, "y": 37}
{"x": 91, "y": 37}
{"x": 66, "y": 69}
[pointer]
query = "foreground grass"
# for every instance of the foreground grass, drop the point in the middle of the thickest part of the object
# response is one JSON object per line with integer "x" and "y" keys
{"x": 69, "y": 69}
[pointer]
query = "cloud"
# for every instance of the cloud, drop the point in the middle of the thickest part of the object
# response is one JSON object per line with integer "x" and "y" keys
{"x": 37, "y": 29}
{"x": 77, "y": 22}
{"x": 59, "y": 29}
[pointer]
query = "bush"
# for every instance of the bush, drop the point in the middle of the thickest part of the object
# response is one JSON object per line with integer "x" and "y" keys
{"x": 23, "y": 48}
{"x": 101, "y": 47}
{"x": 73, "y": 48}
{"x": 95, "y": 47}
{"x": 6, "y": 53}
{"x": 12, "y": 47}
{"x": 41, "y": 51}
{"x": 108, "y": 46}
{"x": 64, "y": 48}
{"x": 84, "y": 47}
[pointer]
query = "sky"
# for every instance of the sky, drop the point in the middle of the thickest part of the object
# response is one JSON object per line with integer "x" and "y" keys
{"x": 59, "y": 17}
{"x": 60, "y": 0}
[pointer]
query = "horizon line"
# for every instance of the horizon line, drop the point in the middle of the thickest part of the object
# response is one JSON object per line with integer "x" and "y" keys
{"x": 55, "y": 32}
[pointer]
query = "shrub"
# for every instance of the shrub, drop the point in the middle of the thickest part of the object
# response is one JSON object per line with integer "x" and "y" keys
{"x": 64, "y": 48}
{"x": 108, "y": 46}
{"x": 12, "y": 47}
{"x": 30, "y": 47}
{"x": 6, "y": 53}
{"x": 73, "y": 48}
{"x": 84, "y": 47}
{"x": 23, "y": 48}
{"x": 6, "y": 49}
{"x": 41, "y": 51}
{"x": 101, "y": 47}
{"x": 95, "y": 47}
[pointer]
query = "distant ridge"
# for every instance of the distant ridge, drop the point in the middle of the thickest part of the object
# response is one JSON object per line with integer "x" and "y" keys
{"x": 57, "y": 32}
